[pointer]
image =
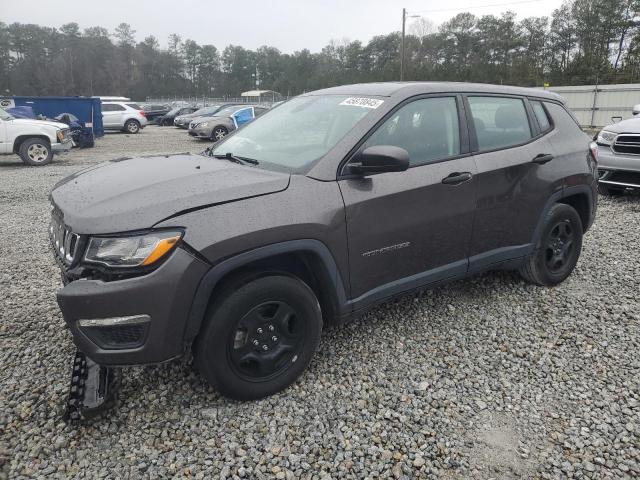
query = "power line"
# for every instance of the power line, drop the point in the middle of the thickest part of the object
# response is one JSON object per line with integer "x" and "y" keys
{"x": 506, "y": 4}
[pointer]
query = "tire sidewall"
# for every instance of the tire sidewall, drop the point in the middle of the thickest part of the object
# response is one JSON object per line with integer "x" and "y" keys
{"x": 24, "y": 152}
{"x": 213, "y": 344}
{"x": 132, "y": 122}
{"x": 558, "y": 213}
{"x": 213, "y": 133}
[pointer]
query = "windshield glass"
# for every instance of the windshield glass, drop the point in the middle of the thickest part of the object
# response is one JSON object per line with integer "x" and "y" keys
{"x": 174, "y": 111}
{"x": 299, "y": 131}
{"x": 207, "y": 110}
{"x": 5, "y": 115}
{"x": 228, "y": 110}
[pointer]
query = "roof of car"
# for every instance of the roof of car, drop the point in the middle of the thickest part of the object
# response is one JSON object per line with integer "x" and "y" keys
{"x": 386, "y": 89}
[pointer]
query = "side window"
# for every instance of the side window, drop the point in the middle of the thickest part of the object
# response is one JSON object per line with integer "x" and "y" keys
{"x": 135, "y": 106}
{"x": 499, "y": 121}
{"x": 541, "y": 116}
{"x": 428, "y": 129}
{"x": 112, "y": 107}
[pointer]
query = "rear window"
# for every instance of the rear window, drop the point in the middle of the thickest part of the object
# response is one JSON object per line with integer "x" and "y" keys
{"x": 541, "y": 116}
{"x": 500, "y": 122}
{"x": 135, "y": 106}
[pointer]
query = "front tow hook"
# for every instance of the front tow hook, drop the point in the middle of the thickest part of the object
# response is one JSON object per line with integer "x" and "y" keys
{"x": 93, "y": 390}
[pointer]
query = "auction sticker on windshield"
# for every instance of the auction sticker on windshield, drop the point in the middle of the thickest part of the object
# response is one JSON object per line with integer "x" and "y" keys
{"x": 362, "y": 102}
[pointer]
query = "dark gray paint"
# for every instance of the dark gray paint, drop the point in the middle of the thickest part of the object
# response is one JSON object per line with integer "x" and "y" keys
{"x": 375, "y": 236}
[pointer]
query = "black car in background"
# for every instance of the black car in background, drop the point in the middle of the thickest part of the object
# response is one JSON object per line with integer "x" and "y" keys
{"x": 153, "y": 110}
{"x": 167, "y": 119}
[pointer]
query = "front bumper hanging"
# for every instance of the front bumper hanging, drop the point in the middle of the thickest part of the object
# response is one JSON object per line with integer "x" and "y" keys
{"x": 93, "y": 389}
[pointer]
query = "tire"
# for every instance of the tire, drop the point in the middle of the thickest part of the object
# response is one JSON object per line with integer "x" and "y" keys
{"x": 558, "y": 249}
{"x": 36, "y": 152}
{"x": 610, "y": 191}
{"x": 260, "y": 335}
{"x": 132, "y": 126}
{"x": 218, "y": 133}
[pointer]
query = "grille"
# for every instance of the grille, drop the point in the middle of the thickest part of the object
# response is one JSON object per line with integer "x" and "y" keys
{"x": 117, "y": 337}
{"x": 627, "y": 143}
{"x": 63, "y": 241}
{"x": 632, "y": 178}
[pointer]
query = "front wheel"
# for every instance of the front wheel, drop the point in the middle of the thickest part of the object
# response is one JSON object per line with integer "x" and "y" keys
{"x": 35, "y": 152}
{"x": 260, "y": 336}
{"x": 132, "y": 126}
{"x": 219, "y": 133}
{"x": 558, "y": 249}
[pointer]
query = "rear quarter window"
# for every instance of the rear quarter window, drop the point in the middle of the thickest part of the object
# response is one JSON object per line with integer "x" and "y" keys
{"x": 541, "y": 116}
{"x": 135, "y": 106}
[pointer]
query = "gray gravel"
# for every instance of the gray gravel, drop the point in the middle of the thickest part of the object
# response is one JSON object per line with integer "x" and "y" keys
{"x": 484, "y": 378}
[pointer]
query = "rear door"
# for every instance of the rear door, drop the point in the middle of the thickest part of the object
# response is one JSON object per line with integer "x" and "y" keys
{"x": 5, "y": 145}
{"x": 515, "y": 176}
{"x": 112, "y": 115}
{"x": 411, "y": 228}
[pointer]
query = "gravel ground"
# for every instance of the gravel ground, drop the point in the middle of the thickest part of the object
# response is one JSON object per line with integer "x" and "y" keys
{"x": 484, "y": 378}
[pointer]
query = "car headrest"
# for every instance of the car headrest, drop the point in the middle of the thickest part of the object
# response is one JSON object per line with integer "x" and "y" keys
{"x": 508, "y": 116}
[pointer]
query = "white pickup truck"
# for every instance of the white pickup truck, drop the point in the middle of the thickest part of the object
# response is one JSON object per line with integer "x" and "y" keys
{"x": 35, "y": 141}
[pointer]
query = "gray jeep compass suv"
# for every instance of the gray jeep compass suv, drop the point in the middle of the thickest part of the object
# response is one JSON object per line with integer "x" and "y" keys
{"x": 326, "y": 205}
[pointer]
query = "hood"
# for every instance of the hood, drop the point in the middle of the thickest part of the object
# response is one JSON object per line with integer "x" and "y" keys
{"x": 137, "y": 193}
{"x": 30, "y": 121}
{"x": 631, "y": 125}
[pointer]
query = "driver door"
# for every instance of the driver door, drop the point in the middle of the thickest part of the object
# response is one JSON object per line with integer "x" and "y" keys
{"x": 412, "y": 228}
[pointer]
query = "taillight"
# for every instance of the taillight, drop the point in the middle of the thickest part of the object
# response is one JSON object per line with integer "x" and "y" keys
{"x": 593, "y": 147}
{"x": 142, "y": 113}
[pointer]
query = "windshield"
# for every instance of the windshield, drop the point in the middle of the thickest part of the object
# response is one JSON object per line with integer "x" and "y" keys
{"x": 229, "y": 110}
{"x": 299, "y": 131}
{"x": 207, "y": 110}
{"x": 5, "y": 115}
{"x": 174, "y": 111}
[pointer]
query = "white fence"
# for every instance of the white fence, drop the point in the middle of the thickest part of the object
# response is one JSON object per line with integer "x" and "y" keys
{"x": 595, "y": 105}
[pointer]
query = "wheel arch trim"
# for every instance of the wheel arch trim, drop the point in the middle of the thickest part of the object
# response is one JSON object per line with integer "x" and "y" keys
{"x": 331, "y": 280}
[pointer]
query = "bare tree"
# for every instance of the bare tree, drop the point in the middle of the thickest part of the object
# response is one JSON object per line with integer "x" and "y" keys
{"x": 421, "y": 27}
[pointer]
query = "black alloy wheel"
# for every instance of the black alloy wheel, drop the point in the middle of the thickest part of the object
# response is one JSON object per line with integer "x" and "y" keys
{"x": 259, "y": 336}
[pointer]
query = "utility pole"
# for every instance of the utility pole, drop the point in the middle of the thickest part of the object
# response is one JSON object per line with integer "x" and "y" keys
{"x": 404, "y": 21}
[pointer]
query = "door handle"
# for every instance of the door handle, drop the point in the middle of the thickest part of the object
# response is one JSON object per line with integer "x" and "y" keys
{"x": 542, "y": 158}
{"x": 456, "y": 178}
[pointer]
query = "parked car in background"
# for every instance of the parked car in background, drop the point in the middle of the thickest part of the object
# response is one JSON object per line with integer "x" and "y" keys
{"x": 35, "y": 141}
{"x": 126, "y": 116}
{"x": 619, "y": 157}
{"x": 226, "y": 120}
{"x": 183, "y": 121}
{"x": 331, "y": 203}
{"x": 153, "y": 110}
{"x": 168, "y": 118}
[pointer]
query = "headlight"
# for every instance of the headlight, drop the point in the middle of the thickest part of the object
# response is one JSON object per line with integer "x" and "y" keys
{"x": 606, "y": 138}
{"x": 133, "y": 251}
{"x": 61, "y": 135}
{"x": 205, "y": 124}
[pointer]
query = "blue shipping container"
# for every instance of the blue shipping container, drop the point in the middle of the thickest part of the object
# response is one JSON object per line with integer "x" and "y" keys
{"x": 87, "y": 109}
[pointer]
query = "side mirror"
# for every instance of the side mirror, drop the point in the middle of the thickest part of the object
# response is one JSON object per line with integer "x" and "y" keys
{"x": 616, "y": 119}
{"x": 379, "y": 159}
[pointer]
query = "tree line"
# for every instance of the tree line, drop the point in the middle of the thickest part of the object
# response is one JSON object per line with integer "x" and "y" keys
{"x": 583, "y": 42}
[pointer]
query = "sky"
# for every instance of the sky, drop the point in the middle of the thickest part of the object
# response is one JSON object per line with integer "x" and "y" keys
{"x": 288, "y": 25}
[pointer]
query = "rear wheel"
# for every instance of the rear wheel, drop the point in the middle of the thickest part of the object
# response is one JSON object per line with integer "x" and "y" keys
{"x": 558, "y": 249}
{"x": 219, "y": 133}
{"x": 132, "y": 126}
{"x": 35, "y": 152}
{"x": 610, "y": 191}
{"x": 259, "y": 337}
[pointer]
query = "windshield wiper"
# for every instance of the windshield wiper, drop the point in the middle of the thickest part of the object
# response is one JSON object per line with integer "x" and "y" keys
{"x": 237, "y": 159}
